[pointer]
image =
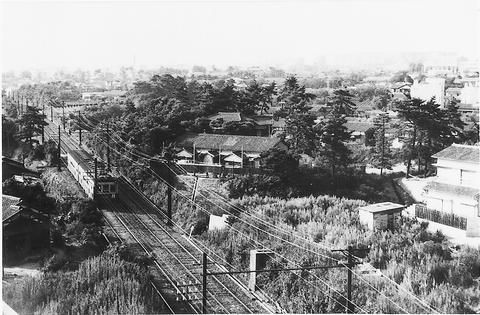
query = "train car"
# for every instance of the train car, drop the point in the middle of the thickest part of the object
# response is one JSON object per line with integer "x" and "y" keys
{"x": 82, "y": 169}
{"x": 107, "y": 185}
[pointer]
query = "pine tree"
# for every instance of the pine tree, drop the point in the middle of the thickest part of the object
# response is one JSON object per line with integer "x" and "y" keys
{"x": 333, "y": 134}
{"x": 293, "y": 98}
{"x": 382, "y": 153}
{"x": 300, "y": 130}
{"x": 31, "y": 125}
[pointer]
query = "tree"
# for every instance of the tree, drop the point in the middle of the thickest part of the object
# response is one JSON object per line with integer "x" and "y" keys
{"x": 300, "y": 132}
{"x": 370, "y": 136}
{"x": 31, "y": 125}
{"x": 333, "y": 134}
{"x": 279, "y": 161}
{"x": 401, "y": 76}
{"x": 9, "y": 130}
{"x": 51, "y": 152}
{"x": 429, "y": 129}
{"x": 268, "y": 92}
{"x": 472, "y": 133}
{"x": 342, "y": 102}
{"x": 245, "y": 128}
{"x": 382, "y": 154}
{"x": 293, "y": 98}
{"x": 251, "y": 99}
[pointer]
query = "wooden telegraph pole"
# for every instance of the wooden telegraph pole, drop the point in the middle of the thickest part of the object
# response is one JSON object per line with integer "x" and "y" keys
{"x": 43, "y": 127}
{"x": 108, "y": 149}
{"x": 63, "y": 114}
{"x": 204, "y": 283}
{"x": 59, "y": 155}
{"x": 169, "y": 194}
{"x": 95, "y": 179}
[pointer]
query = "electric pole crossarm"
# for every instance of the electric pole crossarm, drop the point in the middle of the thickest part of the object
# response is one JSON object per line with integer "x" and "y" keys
{"x": 273, "y": 270}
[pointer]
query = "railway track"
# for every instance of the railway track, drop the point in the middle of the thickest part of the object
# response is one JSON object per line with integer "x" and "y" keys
{"x": 66, "y": 143}
{"x": 178, "y": 257}
{"x": 177, "y": 263}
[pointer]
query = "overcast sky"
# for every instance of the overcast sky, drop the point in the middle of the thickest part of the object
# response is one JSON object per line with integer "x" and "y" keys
{"x": 39, "y": 35}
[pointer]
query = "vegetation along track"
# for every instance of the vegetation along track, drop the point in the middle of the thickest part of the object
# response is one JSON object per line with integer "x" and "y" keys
{"x": 178, "y": 259}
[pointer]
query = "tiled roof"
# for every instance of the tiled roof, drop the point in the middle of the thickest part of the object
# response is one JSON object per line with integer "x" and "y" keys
{"x": 383, "y": 207}
{"x": 229, "y": 142}
{"x": 458, "y": 152}
{"x": 358, "y": 126}
{"x": 455, "y": 190}
{"x": 226, "y": 116}
{"x": 263, "y": 120}
{"x": 9, "y": 206}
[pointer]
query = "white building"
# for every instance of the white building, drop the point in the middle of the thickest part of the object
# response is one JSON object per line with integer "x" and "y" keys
{"x": 455, "y": 189}
{"x": 432, "y": 87}
{"x": 470, "y": 95}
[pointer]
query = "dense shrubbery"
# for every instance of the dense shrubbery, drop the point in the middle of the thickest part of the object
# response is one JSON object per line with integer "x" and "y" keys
{"x": 106, "y": 284}
{"x": 422, "y": 262}
{"x": 368, "y": 187}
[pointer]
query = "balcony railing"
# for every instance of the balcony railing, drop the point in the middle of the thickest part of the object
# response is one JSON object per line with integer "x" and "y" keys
{"x": 449, "y": 219}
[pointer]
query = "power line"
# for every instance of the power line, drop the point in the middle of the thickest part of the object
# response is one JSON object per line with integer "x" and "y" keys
{"x": 292, "y": 234}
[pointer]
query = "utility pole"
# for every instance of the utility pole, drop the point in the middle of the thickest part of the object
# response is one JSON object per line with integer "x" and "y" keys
{"x": 95, "y": 180}
{"x": 204, "y": 283}
{"x": 350, "y": 265}
{"x": 350, "y": 307}
{"x": 43, "y": 127}
{"x": 108, "y": 149}
{"x": 63, "y": 114}
{"x": 80, "y": 136}
{"x": 51, "y": 113}
{"x": 169, "y": 195}
{"x": 59, "y": 155}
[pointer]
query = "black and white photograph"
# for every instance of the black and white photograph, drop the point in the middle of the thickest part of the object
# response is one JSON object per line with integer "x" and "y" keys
{"x": 240, "y": 156}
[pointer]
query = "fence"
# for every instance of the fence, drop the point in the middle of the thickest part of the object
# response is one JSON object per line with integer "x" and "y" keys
{"x": 449, "y": 219}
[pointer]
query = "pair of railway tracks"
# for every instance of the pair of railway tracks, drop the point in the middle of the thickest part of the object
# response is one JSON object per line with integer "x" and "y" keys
{"x": 133, "y": 216}
{"x": 177, "y": 258}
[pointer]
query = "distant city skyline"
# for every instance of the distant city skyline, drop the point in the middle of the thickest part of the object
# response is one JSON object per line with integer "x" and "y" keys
{"x": 88, "y": 35}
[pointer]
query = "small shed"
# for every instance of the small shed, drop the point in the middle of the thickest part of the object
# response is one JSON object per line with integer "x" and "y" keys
{"x": 382, "y": 216}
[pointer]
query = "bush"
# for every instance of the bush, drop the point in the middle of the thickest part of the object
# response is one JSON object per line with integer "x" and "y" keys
{"x": 104, "y": 284}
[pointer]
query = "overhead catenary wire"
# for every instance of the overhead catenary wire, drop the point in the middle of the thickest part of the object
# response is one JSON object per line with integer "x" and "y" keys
{"x": 292, "y": 234}
{"x": 153, "y": 173}
{"x": 393, "y": 302}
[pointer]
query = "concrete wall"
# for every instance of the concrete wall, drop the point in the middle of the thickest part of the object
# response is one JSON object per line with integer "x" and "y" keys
{"x": 473, "y": 227}
{"x": 366, "y": 218}
{"x": 378, "y": 221}
{"x": 461, "y": 206}
{"x": 458, "y": 173}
